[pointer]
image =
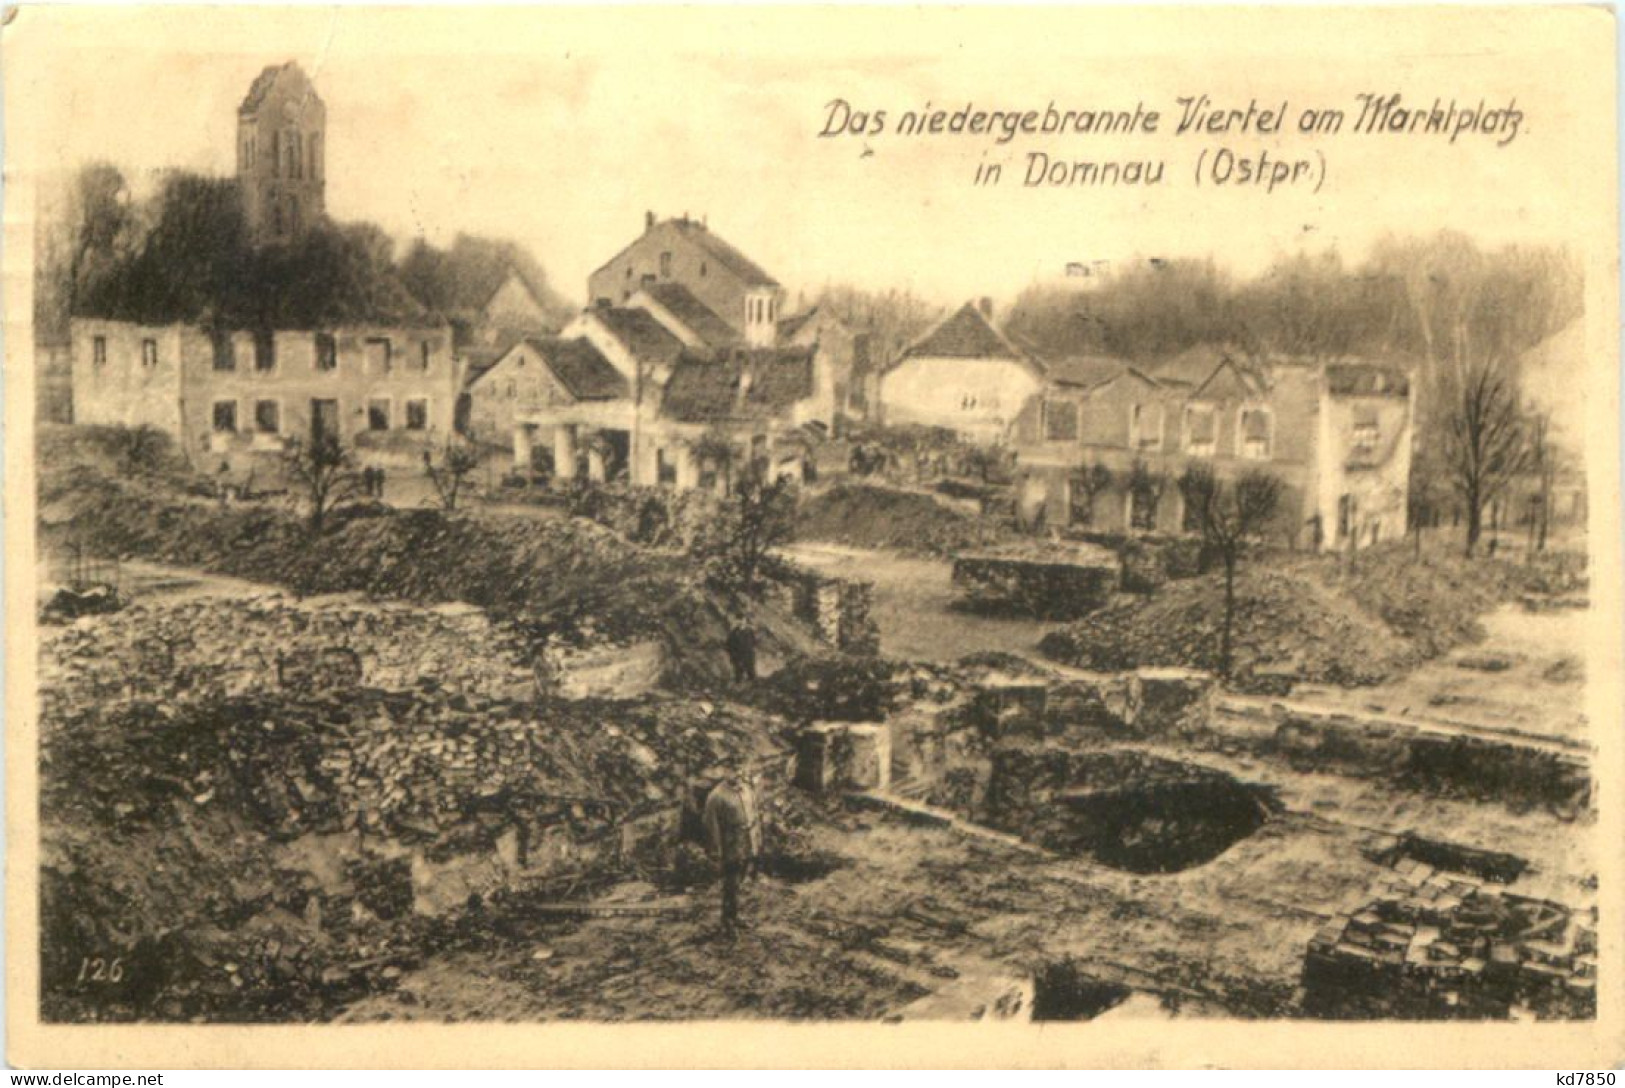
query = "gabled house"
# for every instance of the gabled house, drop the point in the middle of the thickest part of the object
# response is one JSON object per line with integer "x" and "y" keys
{"x": 685, "y": 251}
{"x": 537, "y": 374}
{"x": 1102, "y": 446}
{"x": 962, "y": 375}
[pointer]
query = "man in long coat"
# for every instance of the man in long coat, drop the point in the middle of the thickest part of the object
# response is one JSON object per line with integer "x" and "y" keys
{"x": 733, "y": 834}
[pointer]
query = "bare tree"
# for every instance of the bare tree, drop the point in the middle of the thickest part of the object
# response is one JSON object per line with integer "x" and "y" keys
{"x": 323, "y": 473}
{"x": 450, "y": 469}
{"x": 1485, "y": 445}
{"x": 1231, "y": 516}
{"x": 1544, "y": 462}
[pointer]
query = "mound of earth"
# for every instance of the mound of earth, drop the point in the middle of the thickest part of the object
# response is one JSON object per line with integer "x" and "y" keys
{"x": 1286, "y": 622}
{"x": 864, "y": 516}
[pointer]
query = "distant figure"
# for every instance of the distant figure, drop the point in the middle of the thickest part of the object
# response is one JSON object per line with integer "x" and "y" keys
{"x": 733, "y": 834}
{"x": 378, "y": 482}
{"x": 742, "y": 650}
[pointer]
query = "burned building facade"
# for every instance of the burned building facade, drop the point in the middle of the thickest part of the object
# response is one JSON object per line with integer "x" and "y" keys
{"x": 1102, "y": 445}
{"x": 227, "y": 396}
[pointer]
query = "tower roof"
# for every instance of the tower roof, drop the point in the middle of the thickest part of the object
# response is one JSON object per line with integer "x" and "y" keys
{"x": 261, "y": 87}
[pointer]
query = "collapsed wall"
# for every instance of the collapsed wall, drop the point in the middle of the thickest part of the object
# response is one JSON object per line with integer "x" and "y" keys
{"x": 1052, "y": 582}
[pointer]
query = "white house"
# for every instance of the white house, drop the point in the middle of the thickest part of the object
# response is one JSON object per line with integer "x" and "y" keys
{"x": 962, "y": 375}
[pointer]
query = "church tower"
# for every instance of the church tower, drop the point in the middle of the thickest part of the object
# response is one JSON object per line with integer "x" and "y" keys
{"x": 281, "y": 157}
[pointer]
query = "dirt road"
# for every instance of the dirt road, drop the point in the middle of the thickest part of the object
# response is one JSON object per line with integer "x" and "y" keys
{"x": 915, "y": 605}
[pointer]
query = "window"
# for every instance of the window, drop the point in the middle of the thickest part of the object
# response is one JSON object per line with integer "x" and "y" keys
{"x": 665, "y": 266}
{"x": 425, "y": 353}
{"x": 149, "y": 353}
{"x": 1201, "y": 430}
{"x": 1060, "y": 421}
{"x": 315, "y": 156}
{"x": 1145, "y": 427}
{"x": 277, "y": 222}
{"x": 513, "y": 390}
{"x": 1255, "y": 433}
{"x": 417, "y": 414}
{"x": 98, "y": 351}
{"x": 276, "y": 154}
{"x": 264, "y": 350}
{"x": 327, "y": 351}
{"x": 225, "y": 357}
{"x": 379, "y": 355}
{"x": 296, "y": 154}
{"x": 267, "y": 416}
{"x": 225, "y": 416}
{"x": 293, "y": 215}
{"x": 378, "y": 414}
{"x": 1366, "y": 430}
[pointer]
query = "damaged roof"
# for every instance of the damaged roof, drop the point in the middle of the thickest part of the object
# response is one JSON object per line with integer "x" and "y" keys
{"x": 263, "y": 83}
{"x": 708, "y": 387}
{"x": 696, "y": 315}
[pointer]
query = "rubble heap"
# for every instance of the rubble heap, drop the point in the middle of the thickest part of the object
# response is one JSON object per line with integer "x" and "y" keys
{"x": 1285, "y": 622}
{"x": 411, "y": 764}
{"x": 1436, "y": 944}
{"x": 864, "y": 516}
{"x": 271, "y": 641}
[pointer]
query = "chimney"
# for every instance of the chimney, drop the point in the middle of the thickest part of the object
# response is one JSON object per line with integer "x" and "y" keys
{"x": 985, "y": 304}
{"x": 648, "y": 221}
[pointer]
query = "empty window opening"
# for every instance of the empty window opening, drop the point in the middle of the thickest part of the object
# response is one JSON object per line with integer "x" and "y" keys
{"x": 267, "y": 416}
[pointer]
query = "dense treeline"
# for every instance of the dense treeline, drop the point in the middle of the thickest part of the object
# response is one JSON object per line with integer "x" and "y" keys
{"x": 184, "y": 255}
{"x": 1428, "y": 299}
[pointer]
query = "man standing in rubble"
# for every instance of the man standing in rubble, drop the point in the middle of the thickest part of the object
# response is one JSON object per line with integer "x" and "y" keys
{"x": 742, "y": 649}
{"x": 733, "y": 833}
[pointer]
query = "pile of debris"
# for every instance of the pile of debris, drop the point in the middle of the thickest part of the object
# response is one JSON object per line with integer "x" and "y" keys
{"x": 272, "y": 641}
{"x": 1286, "y": 624}
{"x": 863, "y": 516}
{"x": 409, "y": 764}
{"x": 1435, "y": 944}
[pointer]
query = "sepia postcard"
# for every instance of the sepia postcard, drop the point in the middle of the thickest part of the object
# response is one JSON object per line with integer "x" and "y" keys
{"x": 812, "y": 536}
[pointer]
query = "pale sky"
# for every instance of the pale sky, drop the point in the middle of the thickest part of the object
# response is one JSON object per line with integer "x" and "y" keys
{"x": 559, "y": 127}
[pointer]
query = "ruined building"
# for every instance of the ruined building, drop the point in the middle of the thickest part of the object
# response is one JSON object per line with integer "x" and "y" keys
{"x": 1102, "y": 444}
